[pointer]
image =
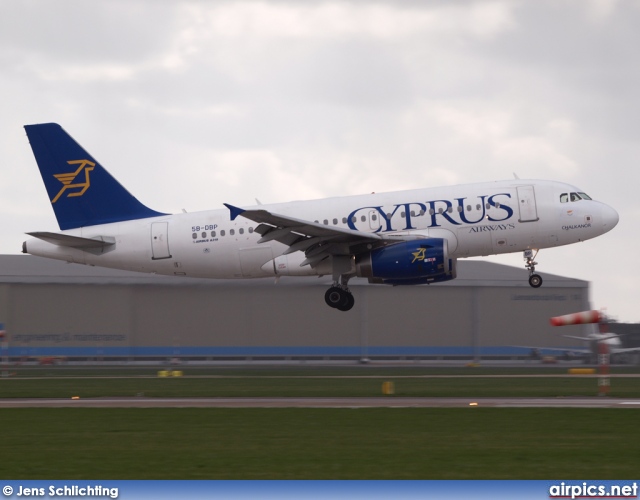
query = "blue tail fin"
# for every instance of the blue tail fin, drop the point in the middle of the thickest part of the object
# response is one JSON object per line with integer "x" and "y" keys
{"x": 81, "y": 191}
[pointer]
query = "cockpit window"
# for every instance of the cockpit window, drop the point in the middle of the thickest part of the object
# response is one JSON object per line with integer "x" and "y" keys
{"x": 566, "y": 197}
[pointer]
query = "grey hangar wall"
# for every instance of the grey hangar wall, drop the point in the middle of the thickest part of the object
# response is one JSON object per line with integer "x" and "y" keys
{"x": 50, "y": 308}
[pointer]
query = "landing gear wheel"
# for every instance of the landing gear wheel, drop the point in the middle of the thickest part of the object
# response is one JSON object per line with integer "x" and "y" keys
{"x": 348, "y": 303}
{"x": 338, "y": 298}
{"x": 334, "y": 297}
{"x": 535, "y": 280}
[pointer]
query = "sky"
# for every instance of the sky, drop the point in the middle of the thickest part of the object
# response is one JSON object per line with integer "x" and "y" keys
{"x": 190, "y": 104}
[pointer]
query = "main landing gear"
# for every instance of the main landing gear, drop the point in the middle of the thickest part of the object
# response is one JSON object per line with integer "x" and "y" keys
{"x": 535, "y": 280}
{"x": 339, "y": 297}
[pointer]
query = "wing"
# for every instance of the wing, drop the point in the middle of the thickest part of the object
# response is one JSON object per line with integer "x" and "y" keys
{"x": 556, "y": 349}
{"x": 588, "y": 339}
{"x": 618, "y": 350}
{"x": 316, "y": 240}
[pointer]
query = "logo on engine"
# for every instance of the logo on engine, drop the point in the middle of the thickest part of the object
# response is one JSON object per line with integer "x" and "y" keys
{"x": 419, "y": 255}
{"x": 67, "y": 179}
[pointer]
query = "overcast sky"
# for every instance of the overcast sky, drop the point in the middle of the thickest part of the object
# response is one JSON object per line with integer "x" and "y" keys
{"x": 192, "y": 104}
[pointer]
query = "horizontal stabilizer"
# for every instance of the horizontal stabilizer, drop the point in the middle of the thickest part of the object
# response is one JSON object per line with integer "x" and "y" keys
{"x": 65, "y": 240}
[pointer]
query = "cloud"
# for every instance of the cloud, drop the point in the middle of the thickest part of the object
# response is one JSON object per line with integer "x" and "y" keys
{"x": 193, "y": 103}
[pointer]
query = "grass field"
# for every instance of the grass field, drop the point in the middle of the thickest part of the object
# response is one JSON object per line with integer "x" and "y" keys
{"x": 413, "y": 443}
{"x": 310, "y": 382}
{"x": 299, "y": 443}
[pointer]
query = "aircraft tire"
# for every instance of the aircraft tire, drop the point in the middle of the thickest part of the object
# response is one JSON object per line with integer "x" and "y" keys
{"x": 348, "y": 302}
{"x": 334, "y": 297}
{"x": 535, "y": 280}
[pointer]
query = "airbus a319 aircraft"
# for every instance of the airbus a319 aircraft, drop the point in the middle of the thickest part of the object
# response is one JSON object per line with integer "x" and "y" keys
{"x": 396, "y": 238}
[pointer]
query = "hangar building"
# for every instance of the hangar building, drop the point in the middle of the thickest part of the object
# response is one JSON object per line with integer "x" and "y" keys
{"x": 50, "y": 308}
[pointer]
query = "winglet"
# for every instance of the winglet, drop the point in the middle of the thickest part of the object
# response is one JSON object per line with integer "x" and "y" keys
{"x": 235, "y": 211}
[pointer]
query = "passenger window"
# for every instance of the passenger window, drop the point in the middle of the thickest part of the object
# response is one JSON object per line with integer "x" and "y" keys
{"x": 564, "y": 198}
{"x": 241, "y": 230}
{"x": 335, "y": 222}
{"x": 222, "y": 233}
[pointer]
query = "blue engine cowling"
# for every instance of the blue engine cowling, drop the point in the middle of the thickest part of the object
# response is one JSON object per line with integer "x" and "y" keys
{"x": 408, "y": 263}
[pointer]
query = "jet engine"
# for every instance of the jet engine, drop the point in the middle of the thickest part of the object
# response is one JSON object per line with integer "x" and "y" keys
{"x": 408, "y": 263}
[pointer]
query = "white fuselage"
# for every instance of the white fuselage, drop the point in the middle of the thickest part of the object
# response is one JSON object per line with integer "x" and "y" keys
{"x": 475, "y": 219}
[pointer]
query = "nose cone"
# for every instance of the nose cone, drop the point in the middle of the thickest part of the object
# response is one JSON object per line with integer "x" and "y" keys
{"x": 610, "y": 218}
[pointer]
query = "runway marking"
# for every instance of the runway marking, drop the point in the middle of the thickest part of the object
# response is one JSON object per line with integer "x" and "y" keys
{"x": 387, "y": 376}
{"x": 353, "y": 403}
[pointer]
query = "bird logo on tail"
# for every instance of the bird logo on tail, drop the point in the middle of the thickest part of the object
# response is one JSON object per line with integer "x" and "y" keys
{"x": 68, "y": 179}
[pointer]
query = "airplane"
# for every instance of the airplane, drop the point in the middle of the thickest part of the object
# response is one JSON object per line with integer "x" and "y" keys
{"x": 396, "y": 238}
{"x": 593, "y": 340}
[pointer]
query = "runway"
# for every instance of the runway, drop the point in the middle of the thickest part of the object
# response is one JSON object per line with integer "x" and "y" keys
{"x": 375, "y": 402}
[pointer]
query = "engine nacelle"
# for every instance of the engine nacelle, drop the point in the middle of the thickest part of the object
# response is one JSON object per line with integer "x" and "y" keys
{"x": 408, "y": 263}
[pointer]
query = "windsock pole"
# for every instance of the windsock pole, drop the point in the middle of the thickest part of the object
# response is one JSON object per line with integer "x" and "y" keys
{"x": 5, "y": 350}
{"x": 583, "y": 318}
{"x": 604, "y": 382}
{"x": 604, "y": 358}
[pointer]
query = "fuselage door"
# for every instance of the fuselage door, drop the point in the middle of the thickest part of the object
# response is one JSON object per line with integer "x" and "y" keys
{"x": 160, "y": 241}
{"x": 527, "y": 204}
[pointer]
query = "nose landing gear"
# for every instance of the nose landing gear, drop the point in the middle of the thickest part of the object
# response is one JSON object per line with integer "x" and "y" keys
{"x": 535, "y": 280}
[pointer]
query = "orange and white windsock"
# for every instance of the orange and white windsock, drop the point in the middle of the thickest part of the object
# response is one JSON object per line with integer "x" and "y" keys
{"x": 580, "y": 318}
